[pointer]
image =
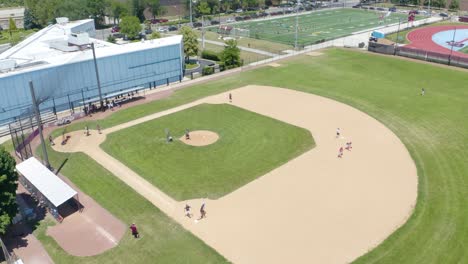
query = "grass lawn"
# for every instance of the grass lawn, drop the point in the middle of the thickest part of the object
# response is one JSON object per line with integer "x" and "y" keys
{"x": 316, "y": 26}
{"x": 464, "y": 50}
{"x": 250, "y": 145}
{"x": 15, "y": 37}
{"x": 247, "y": 56}
{"x": 162, "y": 240}
{"x": 189, "y": 66}
{"x": 432, "y": 127}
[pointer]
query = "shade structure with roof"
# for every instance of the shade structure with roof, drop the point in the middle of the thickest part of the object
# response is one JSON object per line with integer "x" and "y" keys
{"x": 47, "y": 188}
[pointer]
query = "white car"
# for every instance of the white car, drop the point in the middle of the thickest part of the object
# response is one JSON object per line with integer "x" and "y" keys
{"x": 163, "y": 29}
{"x": 229, "y": 20}
{"x": 239, "y": 10}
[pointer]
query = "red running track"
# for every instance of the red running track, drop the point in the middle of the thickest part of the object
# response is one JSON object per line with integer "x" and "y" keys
{"x": 422, "y": 39}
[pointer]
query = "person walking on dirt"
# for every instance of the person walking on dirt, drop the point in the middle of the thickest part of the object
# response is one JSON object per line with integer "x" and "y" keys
{"x": 230, "y": 97}
{"x": 202, "y": 211}
{"x": 338, "y": 132}
{"x": 423, "y": 92}
{"x": 340, "y": 153}
{"x": 134, "y": 230}
{"x": 51, "y": 141}
{"x": 187, "y": 211}
{"x": 348, "y": 145}
{"x": 87, "y": 130}
{"x": 98, "y": 127}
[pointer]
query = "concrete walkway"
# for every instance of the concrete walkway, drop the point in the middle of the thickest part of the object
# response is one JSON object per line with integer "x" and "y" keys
{"x": 262, "y": 52}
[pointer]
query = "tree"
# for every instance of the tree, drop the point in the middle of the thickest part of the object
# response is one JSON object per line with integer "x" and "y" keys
{"x": 190, "y": 42}
{"x": 118, "y": 10}
{"x": 8, "y": 186}
{"x": 96, "y": 10}
{"x": 230, "y": 56}
{"x": 137, "y": 7}
{"x": 203, "y": 8}
{"x": 130, "y": 26}
{"x": 29, "y": 19}
{"x": 11, "y": 26}
{"x": 155, "y": 7}
{"x": 454, "y": 5}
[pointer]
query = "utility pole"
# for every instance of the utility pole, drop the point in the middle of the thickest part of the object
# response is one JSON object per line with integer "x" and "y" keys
{"x": 191, "y": 20}
{"x": 97, "y": 77}
{"x": 39, "y": 124}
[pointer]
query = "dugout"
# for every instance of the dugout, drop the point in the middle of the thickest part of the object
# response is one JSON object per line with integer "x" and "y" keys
{"x": 47, "y": 188}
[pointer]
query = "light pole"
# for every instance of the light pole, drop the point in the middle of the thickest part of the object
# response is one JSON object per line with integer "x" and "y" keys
{"x": 453, "y": 43}
{"x": 297, "y": 26}
{"x": 191, "y": 19}
{"x": 97, "y": 77}
{"x": 39, "y": 124}
{"x": 397, "y": 36}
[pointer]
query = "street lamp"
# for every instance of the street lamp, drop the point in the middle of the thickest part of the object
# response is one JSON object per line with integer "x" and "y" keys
{"x": 39, "y": 124}
{"x": 453, "y": 43}
{"x": 101, "y": 102}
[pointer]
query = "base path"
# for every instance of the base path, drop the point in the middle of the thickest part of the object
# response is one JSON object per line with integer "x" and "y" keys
{"x": 317, "y": 208}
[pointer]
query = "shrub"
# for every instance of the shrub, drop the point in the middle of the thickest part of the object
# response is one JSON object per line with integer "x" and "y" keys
{"x": 207, "y": 70}
{"x": 210, "y": 55}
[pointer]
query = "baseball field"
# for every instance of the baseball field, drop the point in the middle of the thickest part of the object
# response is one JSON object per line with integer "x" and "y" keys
{"x": 374, "y": 187}
{"x": 314, "y": 27}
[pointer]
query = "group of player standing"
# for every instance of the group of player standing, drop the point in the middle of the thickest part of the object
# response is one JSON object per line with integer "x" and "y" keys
{"x": 348, "y": 144}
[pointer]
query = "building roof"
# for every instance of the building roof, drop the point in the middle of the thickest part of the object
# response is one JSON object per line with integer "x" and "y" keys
{"x": 35, "y": 52}
{"x": 47, "y": 183}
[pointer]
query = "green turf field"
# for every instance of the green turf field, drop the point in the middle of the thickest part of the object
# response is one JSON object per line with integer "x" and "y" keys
{"x": 314, "y": 27}
{"x": 433, "y": 128}
{"x": 250, "y": 145}
{"x": 464, "y": 50}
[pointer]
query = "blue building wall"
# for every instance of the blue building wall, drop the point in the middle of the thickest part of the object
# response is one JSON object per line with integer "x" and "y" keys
{"x": 75, "y": 81}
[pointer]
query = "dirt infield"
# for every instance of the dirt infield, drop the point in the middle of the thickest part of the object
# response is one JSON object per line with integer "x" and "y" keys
{"x": 200, "y": 138}
{"x": 317, "y": 208}
{"x": 423, "y": 39}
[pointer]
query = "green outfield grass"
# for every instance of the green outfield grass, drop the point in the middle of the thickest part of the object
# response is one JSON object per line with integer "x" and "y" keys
{"x": 249, "y": 146}
{"x": 314, "y": 27}
{"x": 433, "y": 128}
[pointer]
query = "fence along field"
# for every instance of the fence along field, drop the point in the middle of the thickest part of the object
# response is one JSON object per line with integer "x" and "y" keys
{"x": 312, "y": 27}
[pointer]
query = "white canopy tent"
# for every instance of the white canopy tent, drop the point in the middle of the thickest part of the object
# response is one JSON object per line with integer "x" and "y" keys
{"x": 42, "y": 180}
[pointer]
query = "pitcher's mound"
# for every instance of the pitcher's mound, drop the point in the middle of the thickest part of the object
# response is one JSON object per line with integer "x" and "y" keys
{"x": 200, "y": 138}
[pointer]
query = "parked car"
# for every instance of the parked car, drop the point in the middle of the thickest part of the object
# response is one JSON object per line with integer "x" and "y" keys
{"x": 173, "y": 28}
{"x": 229, "y": 20}
{"x": 239, "y": 18}
{"x": 443, "y": 15}
{"x": 148, "y": 31}
{"x": 158, "y": 20}
{"x": 115, "y": 29}
{"x": 214, "y": 22}
{"x": 392, "y": 9}
{"x": 117, "y": 35}
{"x": 197, "y": 24}
{"x": 380, "y": 8}
{"x": 247, "y": 17}
{"x": 239, "y": 10}
{"x": 163, "y": 29}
